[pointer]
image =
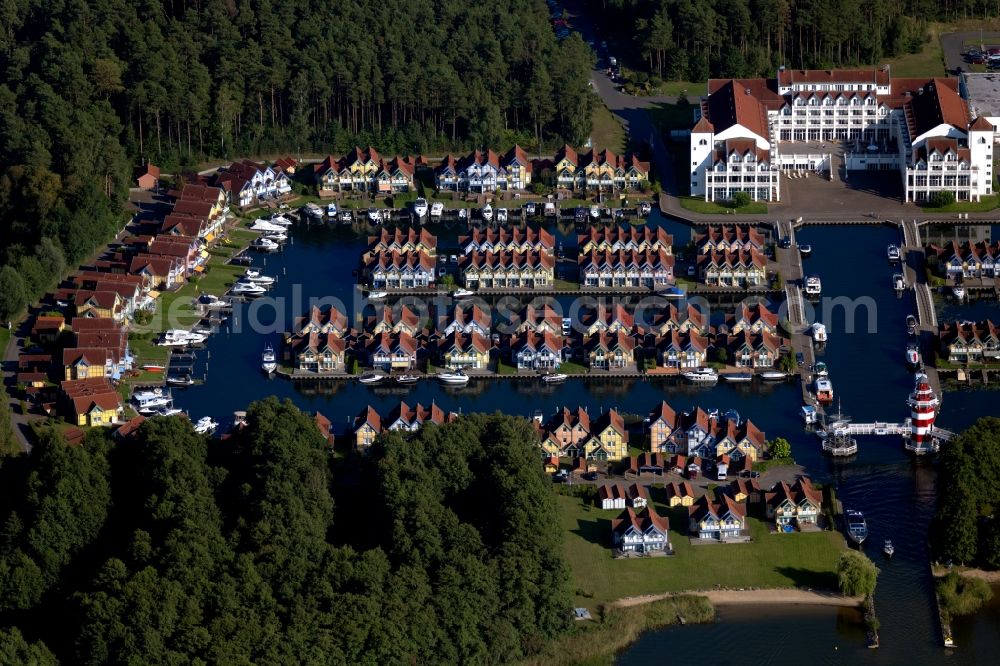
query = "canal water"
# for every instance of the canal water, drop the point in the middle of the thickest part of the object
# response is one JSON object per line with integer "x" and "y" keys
{"x": 865, "y": 354}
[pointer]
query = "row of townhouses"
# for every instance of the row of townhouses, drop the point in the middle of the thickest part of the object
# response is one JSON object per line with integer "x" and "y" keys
{"x": 970, "y": 341}
{"x": 606, "y": 338}
{"x": 968, "y": 260}
{"x": 364, "y": 170}
{"x": 748, "y": 130}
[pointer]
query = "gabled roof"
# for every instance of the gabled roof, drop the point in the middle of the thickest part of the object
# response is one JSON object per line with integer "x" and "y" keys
{"x": 664, "y": 412}
{"x": 734, "y": 103}
{"x": 641, "y": 522}
{"x": 368, "y": 417}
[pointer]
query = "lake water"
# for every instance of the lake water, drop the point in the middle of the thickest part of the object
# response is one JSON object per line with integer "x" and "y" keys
{"x": 867, "y": 367}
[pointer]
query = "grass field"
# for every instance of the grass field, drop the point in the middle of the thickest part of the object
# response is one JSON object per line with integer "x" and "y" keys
{"x": 699, "y": 205}
{"x": 607, "y": 131}
{"x": 928, "y": 62}
{"x": 985, "y": 204}
{"x": 671, "y": 116}
{"x": 571, "y": 368}
{"x": 770, "y": 560}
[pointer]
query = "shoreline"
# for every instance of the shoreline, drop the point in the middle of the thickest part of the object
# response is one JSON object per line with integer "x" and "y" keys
{"x": 758, "y": 597}
{"x": 991, "y": 577}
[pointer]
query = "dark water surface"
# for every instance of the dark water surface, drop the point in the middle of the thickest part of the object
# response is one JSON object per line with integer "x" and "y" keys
{"x": 867, "y": 367}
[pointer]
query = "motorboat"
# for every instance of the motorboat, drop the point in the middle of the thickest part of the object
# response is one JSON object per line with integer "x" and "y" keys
{"x": 371, "y": 378}
{"x": 265, "y": 244}
{"x": 501, "y": 215}
{"x": 244, "y": 288}
{"x": 824, "y": 390}
{"x": 453, "y": 378}
{"x": 888, "y": 549}
{"x": 857, "y": 528}
{"x": 814, "y": 286}
{"x": 280, "y": 220}
{"x": 738, "y": 377}
{"x": 420, "y": 207}
{"x": 819, "y": 333}
{"x": 153, "y": 367}
{"x": 595, "y": 212}
{"x": 266, "y": 225}
{"x": 911, "y": 324}
{"x": 820, "y": 369}
{"x": 809, "y": 414}
{"x": 463, "y": 214}
{"x": 529, "y": 209}
{"x": 912, "y": 356}
{"x": 331, "y": 211}
{"x": 377, "y": 295}
{"x": 487, "y": 213}
{"x": 644, "y": 208}
{"x": 463, "y": 293}
{"x": 147, "y": 402}
{"x": 346, "y": 216}
{"x": 407, "y": 380}
{"x": 437, "y": 209}
{"x": 549, "y": 210}
{"x": 773, "y": 375}
{"x": 898, "y": 284}
{"x": 672, "y": 292}
{"x": 257, "y": 277}
{"x": 805, "y": 249}
{"x": 702, "y": 376}
{"x": 202, "y": 330}
{"x": 241, "y": 260}
{"x": 180, "y": 380}
{"x": 618, "y": 214}
{"x": 893, "y": 253}
{"x": 374, "y": 215}
{"x": 581, "y": 214}
{"x": 554, "y": 378}
{"x": 268, "y": 361}
{"x": 313, "y": 212}
{"x": 205, "y": 425}
{"x": 278, "y": 237}
{"x": 168, "y": 411}
{"x": 178, "y": 337}
{"x": 958, "y": 293}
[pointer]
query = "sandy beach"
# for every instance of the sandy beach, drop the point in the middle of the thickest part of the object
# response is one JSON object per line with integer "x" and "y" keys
{"x": 790, "y": 596}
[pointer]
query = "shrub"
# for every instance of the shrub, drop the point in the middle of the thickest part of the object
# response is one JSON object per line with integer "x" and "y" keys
{"x": 740, "y": 199}
{"x": 856, "y": 574}
{"x": 941, "y": 199}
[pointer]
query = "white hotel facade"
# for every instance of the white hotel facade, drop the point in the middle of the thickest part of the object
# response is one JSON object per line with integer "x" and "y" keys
{"x": 748, "y": 129}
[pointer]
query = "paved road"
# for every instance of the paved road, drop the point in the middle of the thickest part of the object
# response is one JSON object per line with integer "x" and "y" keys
{"x": 19, "y": 422}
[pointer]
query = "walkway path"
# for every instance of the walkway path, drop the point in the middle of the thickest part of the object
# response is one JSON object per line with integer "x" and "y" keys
{"x": 19, "y": 421}
{"x": 753, "y": 597}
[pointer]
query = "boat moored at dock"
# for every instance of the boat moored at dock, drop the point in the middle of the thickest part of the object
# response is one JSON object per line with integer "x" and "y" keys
{"x": 702, "y": 376}
{"x": 911, "y": 325}
{"x": 898, "y": 284}
{"x": 857, "y": 527}
{"x": 824, "y": 390}
{"x": 893, "y": 253}
{"x": 371, "y": 378}
{"x": 819, "y": 333}
{"x": 554, "y": 378}
{"x": 813, "y": 287}
{"x": 453, "y": 378}
{"x": 737, "y": 377}
{"x": 268, "y": 361}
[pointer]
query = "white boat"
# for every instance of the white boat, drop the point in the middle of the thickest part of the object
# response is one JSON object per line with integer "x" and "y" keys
{"x": 824, "y": 390}
{"x": 487, "y": 212}
{"x": 374, "y": 215}
{"x": 501, "y": 214}
{"x": 958, "y": 293}
{"x": 644, "y": 208}
{"x": 201, "y": 330}
{"x": 266, "y": 225}
{"x": 888, "y": 549}
{"x": 595, "y": 212}
{"x": 406, "y": 380}
{"x": 549, "y": 210}
{"x": 463, "y": 293}
{"x": 702, "y": 376}
{"x": 820, "y": 369}
{"x": 276, "y": 236}
{"x": 268, "y": 361}
{"x": 437, "y": 209}
{"x": 898, "y": 284}
{"x": 168, "y": 411}
{"x": 280, "y": 220}
{"x": 178, "y": 337}
{"x": 463, "y": 213}
{"x": 377, "y": 295}
{"x": 420, "y": 207}
{"x": 912, "y": 356}
{"x": 805, "y": 249}
{"x": 737, "y": 377}
{"x": 149, "y": 401}
{"x": 773, "y": 375}
{"x": 818, "y": 333}
{"x": 809, "y": 415}
{"x": 180, "y": 380}
{"x": 257, "y": 277}
{"x": 893, "y": 253}
{"x": 554, "y": 378}
{"x": 313, "y": 212}
{"x": 346, "y": 216}
{"x": 243, "y": 288}
{"x": 911, "y": 324}
{"x": 212, "y": 302}
{"x": 857, "y": 528}
{"x": 814, "y": 286}
{"x": 331, "y": 211}
{"x": 453, "y": 378}
{"x": 205, "y": 425}
{"x": 265, "y": 244}
{"x": 529, "y": 209}
{"x": 371, "y": 378}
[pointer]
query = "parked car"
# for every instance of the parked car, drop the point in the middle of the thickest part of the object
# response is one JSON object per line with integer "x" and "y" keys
{"x": 560, "y": 476}
{"x": 800, "y": 358}
{"x": 590, "y": 476}
{"x": 749, "y": 474}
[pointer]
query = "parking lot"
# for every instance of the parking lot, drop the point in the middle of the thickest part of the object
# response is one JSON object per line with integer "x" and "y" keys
{"x": 956, "y": 48}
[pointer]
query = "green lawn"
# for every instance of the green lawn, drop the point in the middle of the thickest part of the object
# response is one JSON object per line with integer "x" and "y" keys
{"x": 771, "y": 560}
{"x": 699, "y": 205}
{"x": 565, "y": 284}
{"x": 928, "y": 62}
{"x": 4, "y": 337}
{"x": 672, "y": 116}
{"x": 985, "y": 204}
{"x": 571, "y": 368}
{"x": 505, "y": 370}
{"x": 607, "y": 131}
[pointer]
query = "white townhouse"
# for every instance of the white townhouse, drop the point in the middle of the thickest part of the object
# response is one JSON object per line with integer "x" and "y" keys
{"x": 920, "y": 128}
{"x": 537, "y": 351}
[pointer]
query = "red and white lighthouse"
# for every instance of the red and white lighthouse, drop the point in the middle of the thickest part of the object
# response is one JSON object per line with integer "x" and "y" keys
{"x": 923, "y": 410}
